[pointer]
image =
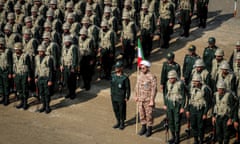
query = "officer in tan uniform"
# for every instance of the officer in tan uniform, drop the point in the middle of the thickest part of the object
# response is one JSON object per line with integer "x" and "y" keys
{"x": 10, "y": 37}
{"x": 19, "y": 16}
{"x": 233, "y": 61}
{"x": 95, "y": 8}
{"x": 21, "y": 74}
{"x": 89, "y": 13}
{"x": 112, "y": 21}
{"x": 145, "y": 93}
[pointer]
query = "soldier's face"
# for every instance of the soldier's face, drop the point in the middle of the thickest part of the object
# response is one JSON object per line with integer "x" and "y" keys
{"x": 199, "y": 68}
{"x": 26, "y": 36}
{"x": 238, "y": 62}
{"x": 50, "y": 18}
{"x": 118, "y": 69}
{"x": 41, "y": 53}
{"x": 144, "y": 69}
{"x": 53, "y": 6}
{"x": 191, "y": 52}
{"x": 38, "y": 3}
{"x": 69, "y": 9}
{"x": 83, "y": 36}
{"x": 107, "y": 14}
{"x": 221, "y": 91}
{"x": 89, "y": 13}
{"x": 18, "y": 11}
{"x": 29, "y": 24}
{"x": 219, "y": 58}
{"x": 47, "y": 29}
{"x": 70, "y": 20}
{"x": 126, "y": 21}
{"x": 67, "y": 44}
{"x": 224, "y": 71}
{"x": 7, "y": 32}
{"x": 46, "y": 40}
{"x": 196, "y": 83}
{"x": 11, "y": 21}
{"x": 34, "y": 14}
{"x": 172, "y": 80}
{"x": 18, "y": 52}
{"x": 86, "y": 25}
{"x": 211, "y": 44}
{"x": 238, "y": 48}
{"x": 66, "y": 30}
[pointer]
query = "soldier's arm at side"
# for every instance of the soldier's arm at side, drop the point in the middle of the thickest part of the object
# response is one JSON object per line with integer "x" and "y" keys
{"x": 183, "y": 101}
{"x": 128, "y": 88}
{"x": 51, "y": 69}
{"x": 208, "y": 99}
{"x": 154, "y": 89}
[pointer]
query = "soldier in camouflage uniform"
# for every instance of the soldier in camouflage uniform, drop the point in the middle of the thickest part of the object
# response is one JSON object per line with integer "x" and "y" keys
{"x": 86, "y": 49}
{"x": 145, "y": 92}
{"x": 174, "y": 102}
{"x": 147, "y": 26}
{"x": 166, "y": 21}
{"x": 128, "y": 39}
{"x": 5, "y": 71}
{"x": 209, "y": 53}
{"x": 202, "y": 12}
{"x": 186, "y": 11}
{"x": 168, "y": 65}
{"x": 120, "y": 93}
{"x": 188, "y": 63}
{"x": 233, "y": 61}
{"x": 107, "y": 48}
{"x": 223, "y": 114}
{"x": 43, "y": 77}
{"x": 198, "y": 106}
{"x": 69, "y": 64}
{"x": 21, "y": 74}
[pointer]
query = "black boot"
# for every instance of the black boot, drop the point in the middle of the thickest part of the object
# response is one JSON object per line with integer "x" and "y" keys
{"x": 25, "y": 104}
{"x": 21, "y": 104}
{"x": 143, "y": 130}
{"x": 173, "y": 138}
{"x": 42, "y": 109}
{"x": 117, "y": 124}
{"x": 149, "y": 131}
{"x": 6, "y": 100}
{"x": 48, "y": 109}
{"x": 196, "y": 140}
{"x": 122, "y": 125}
{"x": 177, "y": 138}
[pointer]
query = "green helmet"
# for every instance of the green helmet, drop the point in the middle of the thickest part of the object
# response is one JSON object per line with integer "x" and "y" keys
{"x": 192, "y": 48}
{"x": 170, "y": 55}
{"x": 211, "y": 40}
{"x": 119, "y": 64}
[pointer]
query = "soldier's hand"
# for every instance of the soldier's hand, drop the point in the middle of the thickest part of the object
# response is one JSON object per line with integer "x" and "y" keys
{"x": 61, "y": 68}
{"x": 126, "y": 100}
{"x": 204, "y": 117}
{"x": 151, "y": 103}
{"x": 213, "y": 120}
{"x": 170, "y": 24}
{"x": 165, "y": 107}
{"x": 229, "y": 122}
{"x": 161, "y": 88}
{"x": 13, "y": 76}
{"x": 183, "y": 79}
{"x": 29, "y": 79}
{"x": 36, "y": 80}
{"x": 72, "y": 70}
{"x": 9, "y": 76}
{"x": 190, "y": 14}
{"x": 235, "y": 124}
{"x": 181, "y": 110}
{"x": 136, "y": 99}
{"x": 188, "y": 114}
{"x": 50, "y": 83}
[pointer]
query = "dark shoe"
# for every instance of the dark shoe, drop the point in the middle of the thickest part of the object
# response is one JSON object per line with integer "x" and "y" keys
{"x": 67, "y": 96}
{"x": 20, "y": 105}
{"x": 48, "y": 110}
{"x": 25, "y": 104}
{"x": 122, "y": 125}
{"x": 42, "y": 109}
{"x": 177, "y": 138}
{"x": 172, "y": 140}
{"x": 73, "y": 96}
{"x": 117, "y": 125}
{"x": 196, "y": 140}
{"x": 149, "y": 131}
{"x": 6, "y": 101}
{"x": 143, "y": 130}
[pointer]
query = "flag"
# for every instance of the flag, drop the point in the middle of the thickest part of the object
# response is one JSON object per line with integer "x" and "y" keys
{"x": 140, "y": 52}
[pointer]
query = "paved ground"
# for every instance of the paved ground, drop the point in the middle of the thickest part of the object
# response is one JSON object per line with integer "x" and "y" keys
{"x": 89, "y": 118}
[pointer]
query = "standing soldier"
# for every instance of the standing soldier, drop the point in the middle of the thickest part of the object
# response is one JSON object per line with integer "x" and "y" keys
{"x": 128, "y": 39}
{"x": 209, "y": 53}
{"x": 89, "y": 13}
{"x": 169, "y": 65}
{"x": 186, "y": 11}
{"x": 145, "y": 92}
{"x": 166, "y": 20}
{"x": 69, "y": 63}
{"x": 233, "y": 61}
{"x": 5, "y": 71}
{"x": 223, "y": 114}
{"x": 120, "y": 93}
{"x": 112, "y": 20}
{"x": 87, "y": 58}
{"x": 147, "y": 26}
{"x": 107, "y": 48}
{"x": 188, "y": 63}
{"x": 174, "y": 102}
{"x": 43, "y": 77}
{"x": 202, "y": 12}
{"x": 198, "y": 106}
{"x": 21, "y": 74}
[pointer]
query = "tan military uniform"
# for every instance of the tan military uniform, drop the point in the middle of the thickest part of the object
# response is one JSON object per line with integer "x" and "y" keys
{"x": 215, "y": 68}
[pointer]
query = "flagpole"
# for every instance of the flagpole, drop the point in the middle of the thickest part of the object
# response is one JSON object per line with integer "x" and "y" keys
{"x": 235, "y": 8}
{"x": 137, "y": 103}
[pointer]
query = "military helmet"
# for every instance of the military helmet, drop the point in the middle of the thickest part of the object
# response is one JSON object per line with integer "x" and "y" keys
{"x": 10, "y": 16}
{"x": 199, "y": 63}
{"x": 2, "y": 40}
{"x": 83, "y": 31}
{"x": 66, "y": 25}
{"x": 18, "y": 46}
{"x": 219, "y": 52}
{"x": 53, "y": 2}
{"x": 67, "y": 38}
{"x": 211, "y": 40}
{"x": 47, "y": 24}
{"x": 34, "y": 8}
{"x": 224, "y": 65}
{"x": 221, "y": 84}
{"x": 2, "y": 2}
{"x": 104, "y": 23}
{"x": 146, "y": 63}
{"x": 125, "y": 15}
{"x": 8, "y": 27}
{"x": 170, "y": 55}
{"x": 70, "y": 16}
{"x": 107, "y": 9}
{"x": 41, "y": 47}
{"x": 145, "y": 5}
{"x": 46, "y": 35}
{"x": 119, "y": 64}
{"x": 238, "y": 43}
{"x": 27, "y": 31}
{"x": 197, "y": 77}
{"x": 192, "y": 48}
{"x": 107, "y": 2}
{"x": 69, "y": 4}
{"x": 172, "y": 74}
{"x": 127, "y": 3}
{"x": 85, "y": 20}
{"x": 27, "y": 19}
{"x": 50, "y": 12}
{"x": 17, "y": 6}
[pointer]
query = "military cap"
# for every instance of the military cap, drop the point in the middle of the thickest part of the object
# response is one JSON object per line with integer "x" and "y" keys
{"x": 83, "y": 31}
{"x": 224, "y": 65}
{"x": 125, "y": 15}
{"x": 172, "y": 74}
{"x": 8, "y": 27}
{"x": 17, "y": 6}
{"x": 41, "y": 47}
{"x": 34, "y": 8}
{"x": 119, "y": 64}
{"x": 170, "y": 55}
{"x": 69, "y": 4}
{"x": 104, "y": 23}
{"x": 221, "y": 84}
{"x": 67, "y": 38}
{"x": 198, "y": 63}
{"x": 145, "y": 5}
{"x": 127, "y": 3}
{"x": 197, "y": 77}
{"x": 2, "y": 40}
{"x": 192, "y": 48}
{"x": 18, "y": 46}
{"x": 107, "y": 9}
{"x": 46, "y": 35}
{"x": 27, "y": 31}
{"x": 50, "y": 12}
{"x": 10, "y": 16}
{"x": 27, "y": 19}
{"x": 85, "y": 20}
{"x": 66, "y": 25}
{"x": 219, "y": 52}
{"x": 238, "y": 43}
{"x": 70, "y": 16}
{"x": 107, "y": 2}
{"x": 53, "y": 2}
{"x": 211, "y": 40}
{"x": 146, "y": 63}
{"x": 47, "y": 24}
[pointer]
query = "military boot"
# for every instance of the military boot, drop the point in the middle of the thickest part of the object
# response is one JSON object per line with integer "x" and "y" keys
{"x": 172, "y": 140}
{"x": 6, "y": 100}
{"x": 20, "y": 105}
{"x": 177, "y": 138}
{"x": 122, "y": 125}
{"x": 25, "y": 104}
{"x": 143, "y": 130}
{"x": 196, "y": 140}
{"x": 117, "y": 124}
{"x": 149, "y": 131}
{"x": 42, "y": 109}
{"x": 48, "y": 109}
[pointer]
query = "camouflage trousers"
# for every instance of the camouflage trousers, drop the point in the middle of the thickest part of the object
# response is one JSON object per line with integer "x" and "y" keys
{"x": 145, "y": 113}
